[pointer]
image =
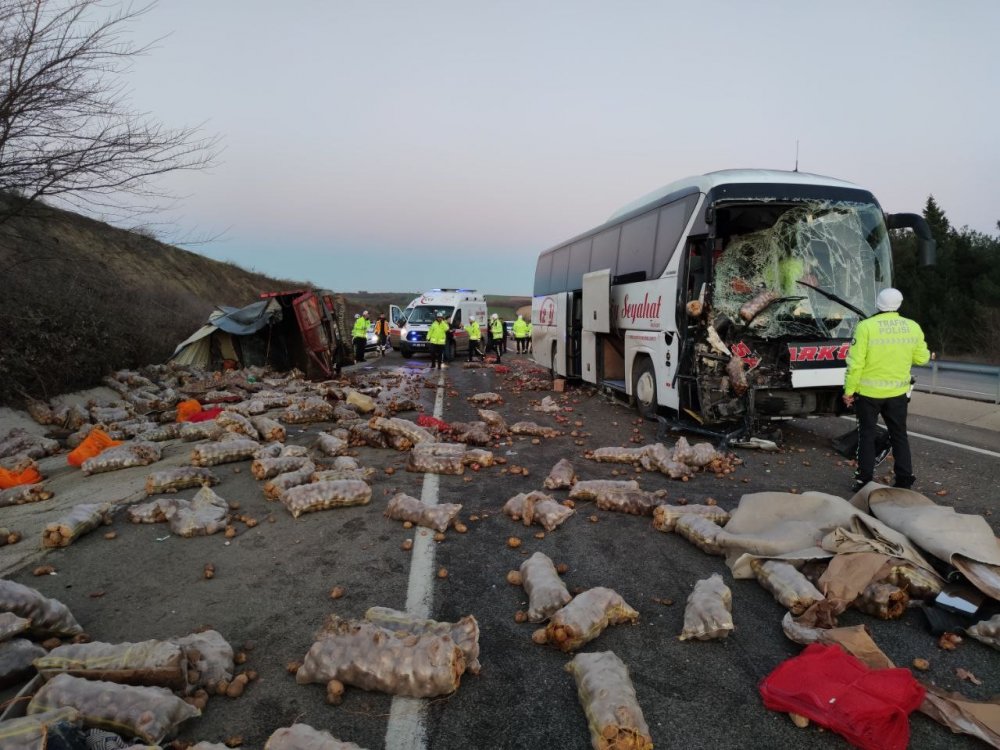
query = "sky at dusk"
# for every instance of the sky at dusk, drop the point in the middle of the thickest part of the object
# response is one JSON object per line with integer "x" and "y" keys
{"x": 400, "y": 146}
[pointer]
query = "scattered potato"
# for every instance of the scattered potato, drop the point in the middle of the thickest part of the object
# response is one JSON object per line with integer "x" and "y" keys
{"x": 337, "y": 592}
{"x": 334, "y": 692}
{"x": 514, "y": 578}
{"x": 111, "y": 535}
{"x": 209, "y": 572}
{"x": 922, "y": 664}
{"x": 520, "y": 616}
{"x": 442, "y": 572}
{"x": 513, "y": 542}
{"x": 43, "y": 570}
{"x": 461, "y": 528}
{"x": 407, "y": 545}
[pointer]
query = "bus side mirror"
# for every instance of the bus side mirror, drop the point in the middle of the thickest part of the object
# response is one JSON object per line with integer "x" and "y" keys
{"x": 926, "y": 245}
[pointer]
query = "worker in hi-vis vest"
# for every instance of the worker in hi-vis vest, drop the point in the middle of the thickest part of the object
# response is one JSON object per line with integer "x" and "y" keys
{"x": 437, "y": 337}
{"x": 520, "y": 334}
{"x": 496, "y": 334}
{"x": 884, "y": 348}
{"x": 475, "y": 336}
{"x": 360, "y": 335}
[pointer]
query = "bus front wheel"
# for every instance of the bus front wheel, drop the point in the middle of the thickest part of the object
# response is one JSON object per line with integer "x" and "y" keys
{"x": 644, "y": 387}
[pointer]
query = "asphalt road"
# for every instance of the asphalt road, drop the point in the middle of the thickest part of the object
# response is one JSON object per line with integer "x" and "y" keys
{"x": 272, "y": 582}
{"x": 980, "y": 386}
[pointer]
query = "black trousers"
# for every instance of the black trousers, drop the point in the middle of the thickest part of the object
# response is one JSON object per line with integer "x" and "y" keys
{"x": 437, "y": 354}
{"x": 474, "y": 349}
{"x": 359, "y": 349}
{"x": 893, "y": 412}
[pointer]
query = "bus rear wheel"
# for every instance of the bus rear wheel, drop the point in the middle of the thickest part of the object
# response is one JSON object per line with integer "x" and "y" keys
{"x": 644, "y": 387}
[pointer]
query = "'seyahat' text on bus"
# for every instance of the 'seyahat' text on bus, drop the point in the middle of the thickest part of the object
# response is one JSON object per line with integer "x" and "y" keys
{"x": 726, "y": 300}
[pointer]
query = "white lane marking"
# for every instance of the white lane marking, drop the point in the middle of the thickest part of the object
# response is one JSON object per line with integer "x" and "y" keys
{"x": 952, "y": 443}
{"x": 407, "y": 728}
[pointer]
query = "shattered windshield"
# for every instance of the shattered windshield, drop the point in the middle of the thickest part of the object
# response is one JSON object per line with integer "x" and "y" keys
{"x": 794, "y": 277}
{"x": 425, "y": 314}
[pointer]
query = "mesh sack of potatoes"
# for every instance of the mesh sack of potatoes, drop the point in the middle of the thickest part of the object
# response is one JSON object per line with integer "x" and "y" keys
{"x": 231, "y": 421}
{"x": 17, "y": 657}
{"x": 293, "y": 450}
{"x": 224, "y": 452}
{"x": 616, "y": 455}
{"x": 701, "y": 532}
{"x": 437, "y": 458}
{"x": 478, "y": 457}
{"x": 209, "y": 657}
{"x": 987, "y": 631}
{"x": 471, "y": 433}
{"x": 609, "y": 701}
{"x": 315, "y": 496}
{"x": 163, "y": 432}
{"x": 314, "y": 411}
{"x": 883, "y": 600}
{"x": 269, "y": 450}
{"x": 656, "y": 457}
{"x": 586, "y": 617}
{"x": 275, "y": 487}
{"x": 403, "y": 507}
{"x": 330, "y": 445}
{"x": 147, "y": 713}
{"x": 665, "y": 516}
{"x": 265, "y": 468}
{"x": 362, "y": 434}
{"x": 109, "y": 414}
{"x": 304, "y": 737}
{"x": 917, "y": 582}
{"x": 180, "y": 478}
{"x": 81, "y": 520}
{"x": 269, "y": 429}
{"x": 247, "y": 409}
{"x": 366, "y": 474}
{"x": 36, "y": 732}
{"x": 589, "y": 489}
{"x": 562, "y": 476}
{"x": 370, "y": 657}
{"x": 401, "y": 427}
{"x": 537, "y": 507}
{"x": 737, "y": 372}
{"x": 787, "y": 585}
{"x": 155, "y": 511}
{"x": 47, "y": 616}
{"x": 24, "y": 494}
{"x": 12, "y": 625}
{"x": 633, "y": 502}
{"x": 145, "y": 663}
{"x": 194, "y": 431}
{"x": 206, "y": 514}
{"x": 494, "y": 421}
{"x": 545, "y": 589}
{"x": 124, "y": 456}
{"x": 485, "y": 399}
{"x": 465, "y": 632}
{"x": 533, "y": 429}
{"x": 708, "y": 614}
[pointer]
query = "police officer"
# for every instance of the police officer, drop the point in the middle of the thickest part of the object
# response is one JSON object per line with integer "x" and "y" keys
{"x": 520, "y": 332}
{"x": 437, "y": 337}
{"x": 360, "y": 335}
{"x": 877, "y": 382}
{"x": 475, "y": 336}
{"x": 496, "y": 334}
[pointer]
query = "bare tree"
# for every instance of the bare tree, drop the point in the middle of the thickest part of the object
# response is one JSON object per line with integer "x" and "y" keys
{"x": 68, "y": 132}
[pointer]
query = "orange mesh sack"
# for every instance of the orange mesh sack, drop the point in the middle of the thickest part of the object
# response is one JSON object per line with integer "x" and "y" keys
{"x": 94, "y": 444}
{"x": 187, "y": 409}
{"x": 10, "y": 479}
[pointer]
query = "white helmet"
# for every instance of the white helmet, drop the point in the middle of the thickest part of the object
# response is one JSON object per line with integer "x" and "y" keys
{"x": 494, "y": 316}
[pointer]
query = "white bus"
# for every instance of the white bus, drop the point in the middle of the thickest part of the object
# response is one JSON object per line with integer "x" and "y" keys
{"x": 726, "y": 298}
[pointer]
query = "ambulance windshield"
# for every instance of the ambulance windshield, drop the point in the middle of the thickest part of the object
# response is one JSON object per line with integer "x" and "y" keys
{"x": 425, "y": 314}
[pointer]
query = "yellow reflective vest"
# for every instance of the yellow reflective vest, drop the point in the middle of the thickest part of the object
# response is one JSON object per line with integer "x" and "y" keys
{"x": 496, "y": 329}
{"x": 520, "y": 328}
{"x": 360, "y": 329}
{"x": 884, "y": 348}
{"x": 473, "y": 330}
{"x": 437, "y": 333}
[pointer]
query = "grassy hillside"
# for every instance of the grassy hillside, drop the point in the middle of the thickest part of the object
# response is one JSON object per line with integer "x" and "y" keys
{"x": 82, "y": 298}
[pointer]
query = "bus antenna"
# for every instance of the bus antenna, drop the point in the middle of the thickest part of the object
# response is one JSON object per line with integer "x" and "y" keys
{"x": 796, "y": 155}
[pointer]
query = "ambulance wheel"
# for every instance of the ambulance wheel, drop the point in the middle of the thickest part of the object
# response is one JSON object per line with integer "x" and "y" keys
{"x": 406, "y": 352}
{"x": 644, "y": 387}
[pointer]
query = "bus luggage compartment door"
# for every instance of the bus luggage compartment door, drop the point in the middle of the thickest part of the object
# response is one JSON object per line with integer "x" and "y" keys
{"x": 597, "y": 302}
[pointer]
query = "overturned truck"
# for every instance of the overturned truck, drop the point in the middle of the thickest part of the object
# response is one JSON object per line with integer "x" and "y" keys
{"x": 727, "y": 300}
{"x": 304, "y": 329}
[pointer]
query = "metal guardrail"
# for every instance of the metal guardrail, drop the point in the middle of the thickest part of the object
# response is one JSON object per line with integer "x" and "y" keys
{"x": 983, "y": 385}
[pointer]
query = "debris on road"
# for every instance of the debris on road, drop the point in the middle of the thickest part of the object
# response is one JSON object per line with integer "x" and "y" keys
{"x": 340, "y": 493}
{"x": 464, "y": 632}
{"x": 545, "y": 589}
{"x": 586, "y": 617}
{"x": 124, "y": 456}
{"x": 787, "y": 585}
{"x": 537, "y": 507}
{"x": 701, "y": 532}
{"x": 24, "y": 494}
{"x": 987, "y": 631}
{"x": 205, "y": 514}
{"x": 403, "y": 507}
{"x": 609, "y": 702}
{"x": 171, "y": 480}
{"x": 485, "y": 399}
{"x": 561, "y": 477}
{"x": 534, "y": 430}
{"x": 708, "y": 614}
{"x": 156, "y": 663}
{"x": 437, "y": 458}
{"x": 223, "y": 452}
{"x": 665, "y": 516}
{"x": 883, "y": 600}
{"x": 81, "y": 520}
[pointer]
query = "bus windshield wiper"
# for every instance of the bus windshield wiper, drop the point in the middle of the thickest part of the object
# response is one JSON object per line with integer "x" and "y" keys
{"x": 834, "y": 297}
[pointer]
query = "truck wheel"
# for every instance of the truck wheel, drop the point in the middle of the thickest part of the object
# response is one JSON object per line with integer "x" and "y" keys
{"x": 449, "y": 351}
{"x": 644, "y": 387}
{"x": 406, "y": 352}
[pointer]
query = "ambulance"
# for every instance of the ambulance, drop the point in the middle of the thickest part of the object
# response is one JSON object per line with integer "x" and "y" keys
{"x": 458, "y": 306}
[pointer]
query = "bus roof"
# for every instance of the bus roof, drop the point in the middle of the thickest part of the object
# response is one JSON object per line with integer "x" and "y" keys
{"x": 704, "y": 183}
